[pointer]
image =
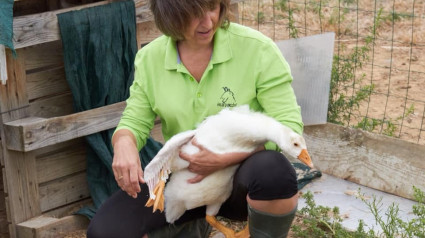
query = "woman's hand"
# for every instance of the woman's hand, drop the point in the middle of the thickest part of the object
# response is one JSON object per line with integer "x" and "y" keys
{"x": 206, "y": 162}
{"x": 126, "y": 163}
{"x": 203, "y": 163}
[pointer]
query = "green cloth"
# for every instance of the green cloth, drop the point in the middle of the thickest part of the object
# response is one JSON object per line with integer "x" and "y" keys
{"x": 6, "y": 24}
{"x": 99, "y": 46}
{"x": 304, "y": 174}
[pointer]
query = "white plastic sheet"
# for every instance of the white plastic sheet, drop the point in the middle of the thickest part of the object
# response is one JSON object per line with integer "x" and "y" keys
{"x": 310, "y": 59}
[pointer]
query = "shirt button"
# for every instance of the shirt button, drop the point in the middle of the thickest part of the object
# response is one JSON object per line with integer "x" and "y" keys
{"x": 191, "y": 78}
{"x": 199, "y": 95}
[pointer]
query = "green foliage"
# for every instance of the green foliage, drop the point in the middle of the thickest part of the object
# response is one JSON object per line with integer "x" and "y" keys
{"x": 293, "y": 31}
{"x": 282, "y": 5}
{"x": 389, "y": 125}
{"x": 344, "y": 77}
{"x": 261, "y": 18}
{"x": 320, "y": 221}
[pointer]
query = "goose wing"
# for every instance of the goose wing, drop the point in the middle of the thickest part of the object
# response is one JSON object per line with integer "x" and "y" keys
{"x": 163, "y": 160}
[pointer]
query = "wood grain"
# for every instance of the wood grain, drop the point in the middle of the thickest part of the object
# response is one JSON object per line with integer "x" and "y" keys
{"x": 61, "y": 164}
{"x": 380, "y": 162}
{"x": 63, "y": 191}
{"x": 50, "y": 227}
{"x": 41, "y": 28}
{"x": 19, "y": 168}
{"x": 54, "y": 106}
{"x": 32, "y": 133}
{"x": 46, "y": 83}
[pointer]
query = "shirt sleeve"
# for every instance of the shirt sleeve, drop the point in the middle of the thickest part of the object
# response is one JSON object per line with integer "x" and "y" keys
{"x": 138, "y": 116}
{"x": 274, "y": 90}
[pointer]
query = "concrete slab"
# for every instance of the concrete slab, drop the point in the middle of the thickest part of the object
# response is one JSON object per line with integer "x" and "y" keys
{"x": 331, "y": 191}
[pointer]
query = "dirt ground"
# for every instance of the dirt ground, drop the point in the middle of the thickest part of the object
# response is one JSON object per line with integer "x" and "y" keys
{"x": 396, "y": 64}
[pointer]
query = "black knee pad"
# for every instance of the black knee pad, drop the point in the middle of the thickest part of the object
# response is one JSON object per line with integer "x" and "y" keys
{"x": 268, "y": 175}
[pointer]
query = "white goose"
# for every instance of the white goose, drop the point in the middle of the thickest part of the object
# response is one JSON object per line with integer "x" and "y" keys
{"x": 237, "y": 130}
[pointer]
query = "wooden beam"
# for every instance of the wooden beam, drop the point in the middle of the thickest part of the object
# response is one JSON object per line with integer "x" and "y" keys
{"x": 19, "y": 168}
{"x": 41, "y": 28}
{"x": 3, "y": 67}
{"x": 63, "y": 191}
{"x": 44, "y": 227}
{"x": 376, "y": 161}
{"x": 31, "y": 133}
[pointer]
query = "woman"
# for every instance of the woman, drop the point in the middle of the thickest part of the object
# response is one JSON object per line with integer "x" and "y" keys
{"x": 201, "y": 65}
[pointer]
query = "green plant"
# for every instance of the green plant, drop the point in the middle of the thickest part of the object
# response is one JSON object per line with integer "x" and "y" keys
{"x": 261, "y": 17}
{"x": 344, "y": 78}
{"x": 389, "y": 125}
{"x": 293, "y": 31}
{"x": 282, "y": 5}
{"x": 321, "y": 221}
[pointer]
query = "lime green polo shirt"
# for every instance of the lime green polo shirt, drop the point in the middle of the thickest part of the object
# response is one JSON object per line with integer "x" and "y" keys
{"x": 246, "y": 67}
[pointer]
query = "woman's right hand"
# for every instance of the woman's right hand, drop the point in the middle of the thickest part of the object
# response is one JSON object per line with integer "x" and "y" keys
{"x": 126, "y": 163}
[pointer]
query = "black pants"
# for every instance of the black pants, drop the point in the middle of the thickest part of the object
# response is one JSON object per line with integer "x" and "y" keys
{"x": 266, "y": 175}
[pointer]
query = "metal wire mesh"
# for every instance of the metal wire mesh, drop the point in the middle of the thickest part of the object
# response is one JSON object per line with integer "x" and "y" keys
{"x": 379, "y": 63}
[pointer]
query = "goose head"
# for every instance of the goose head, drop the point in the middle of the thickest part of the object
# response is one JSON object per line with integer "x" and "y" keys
{"x": 293, "y": 145}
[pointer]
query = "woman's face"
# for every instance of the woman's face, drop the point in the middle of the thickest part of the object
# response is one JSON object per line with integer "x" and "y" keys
{"x": 201, "y": 30}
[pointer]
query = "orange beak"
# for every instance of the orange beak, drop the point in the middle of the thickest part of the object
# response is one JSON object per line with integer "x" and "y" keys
{"x": 305, "y": 158}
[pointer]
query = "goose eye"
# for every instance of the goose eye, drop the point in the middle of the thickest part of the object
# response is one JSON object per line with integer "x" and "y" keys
{"x": 296, "y": 144}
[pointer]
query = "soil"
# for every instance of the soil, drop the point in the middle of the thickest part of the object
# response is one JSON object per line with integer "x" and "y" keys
{"x": 395, "y": 65}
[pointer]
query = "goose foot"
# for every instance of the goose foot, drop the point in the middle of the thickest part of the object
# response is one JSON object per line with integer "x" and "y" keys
{"x": 229, "y": 233}
{"x": 158, "y": 202}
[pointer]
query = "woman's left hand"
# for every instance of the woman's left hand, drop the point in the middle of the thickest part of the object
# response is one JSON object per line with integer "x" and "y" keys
{"x": 203, "y": 163}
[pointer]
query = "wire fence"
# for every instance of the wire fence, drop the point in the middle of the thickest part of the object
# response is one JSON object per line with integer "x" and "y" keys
{"x": 378, "y": 75}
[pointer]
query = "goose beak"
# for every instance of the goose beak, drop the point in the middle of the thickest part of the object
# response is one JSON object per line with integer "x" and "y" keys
{"x": 305, "y": 158}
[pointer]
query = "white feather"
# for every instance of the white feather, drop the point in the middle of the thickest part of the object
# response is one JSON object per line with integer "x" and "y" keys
{"x": 237, "y": 130}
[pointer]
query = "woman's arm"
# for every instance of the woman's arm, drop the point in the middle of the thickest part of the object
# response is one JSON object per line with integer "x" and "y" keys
{"x": 206, "y": 162}
{"x": 126, "y": 163}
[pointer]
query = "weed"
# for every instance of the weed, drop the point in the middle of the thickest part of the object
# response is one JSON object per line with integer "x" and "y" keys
{"x": 261, "y": 18}
{"x": 321, "y": 221}
{"x": 344, "y": 77}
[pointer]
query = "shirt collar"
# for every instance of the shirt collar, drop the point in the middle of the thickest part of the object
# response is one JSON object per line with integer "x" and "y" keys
{"x": 222, "y": 51}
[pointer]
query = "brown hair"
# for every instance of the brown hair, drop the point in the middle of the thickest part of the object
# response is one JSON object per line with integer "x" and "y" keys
{"x": 173, "y": 16}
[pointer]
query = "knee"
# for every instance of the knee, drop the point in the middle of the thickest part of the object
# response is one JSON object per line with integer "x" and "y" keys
{"x": 273, "y": 177}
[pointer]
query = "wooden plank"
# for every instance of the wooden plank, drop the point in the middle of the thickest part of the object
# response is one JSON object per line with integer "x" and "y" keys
{"x": 50, "y": 227}
{"x": 41, "y": 28}
{"x": 58, "y": 105}
{"x": 32, "y": 133}
{"x": 2, "y": 202}
{"x": 47, "y": 83}
{"x": 3, "y": 67}
{"x": 1, "y": 153}
{"x": 147, "y": 32}
{"x": 56, "y": 165}
{"x": 44, "y": 56}
{"x": 20, "y": 176}
{"x": 4, "y": 180}
{"x": 380, "y": 162}
{"x": 45, "y": 151}
{"x": 63, "y": 191}
{"x": 69, "y": 209}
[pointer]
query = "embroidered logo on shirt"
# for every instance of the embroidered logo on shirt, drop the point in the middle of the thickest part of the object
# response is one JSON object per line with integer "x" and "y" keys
{"x": 227, "y": 99}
